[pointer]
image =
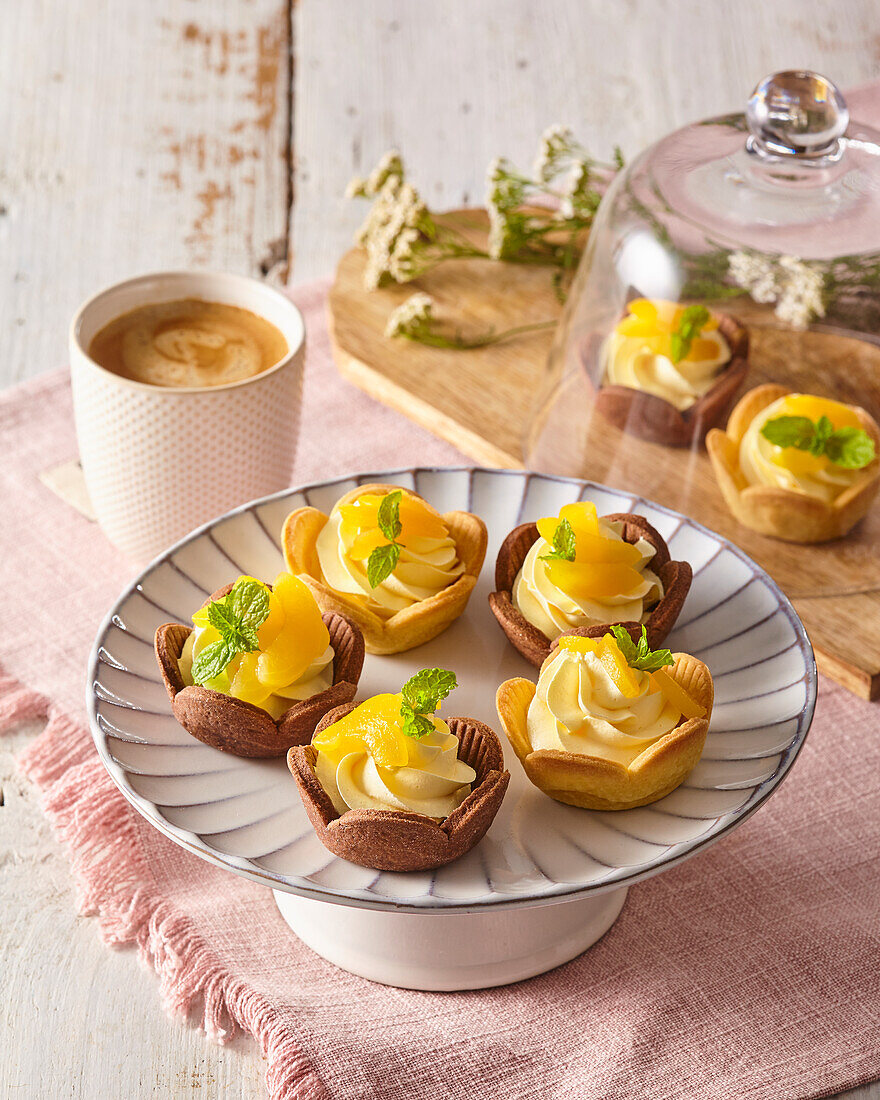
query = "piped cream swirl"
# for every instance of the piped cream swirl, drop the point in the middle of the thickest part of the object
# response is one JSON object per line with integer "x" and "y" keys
{"x": 764, "y": 463}
{"x": 578, "y": 708}
{"x": 553, "y": 611}
{"x": 426, "y": 566}
{"x": 433, "y": 782}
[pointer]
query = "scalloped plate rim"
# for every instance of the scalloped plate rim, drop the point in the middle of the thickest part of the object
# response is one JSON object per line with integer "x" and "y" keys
{"x": 619, "y": 877}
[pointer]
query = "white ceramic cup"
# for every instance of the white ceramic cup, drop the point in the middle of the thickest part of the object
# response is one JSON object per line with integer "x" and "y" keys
{"x": 159, "y": 461}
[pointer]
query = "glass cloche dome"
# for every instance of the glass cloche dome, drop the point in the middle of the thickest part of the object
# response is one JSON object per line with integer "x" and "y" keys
{"x": 720, "y": 347}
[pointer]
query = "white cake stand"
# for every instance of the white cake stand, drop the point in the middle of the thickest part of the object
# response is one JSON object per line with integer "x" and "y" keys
{"x": 547, "y": 880}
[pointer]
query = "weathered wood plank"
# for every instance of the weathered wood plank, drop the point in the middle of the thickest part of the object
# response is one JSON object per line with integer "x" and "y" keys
{"x": 135, "y": 137}
{"x": 455, "y": 84}
{"x": 144, "y": 135}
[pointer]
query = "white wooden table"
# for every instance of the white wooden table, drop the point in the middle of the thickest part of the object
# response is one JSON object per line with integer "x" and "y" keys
{"x": 221, "y": 133}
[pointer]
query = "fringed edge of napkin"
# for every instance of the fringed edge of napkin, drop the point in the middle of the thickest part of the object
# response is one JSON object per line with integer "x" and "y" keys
{"x": 62, "y": 763}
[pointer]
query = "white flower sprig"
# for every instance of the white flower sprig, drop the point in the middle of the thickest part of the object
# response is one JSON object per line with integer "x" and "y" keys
{"x": 796, "y": 287}
{"x": 537, "y": 220}
{"x": 400, "y": 235}
{"x": 542, "y": 219}
{"x": 414, "y": 320}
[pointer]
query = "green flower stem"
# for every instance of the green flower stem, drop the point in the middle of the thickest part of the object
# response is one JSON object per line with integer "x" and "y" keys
{"x": 438, "y": 340}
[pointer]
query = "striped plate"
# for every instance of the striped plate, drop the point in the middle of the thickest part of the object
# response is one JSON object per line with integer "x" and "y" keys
{"x": 245, "y": 815}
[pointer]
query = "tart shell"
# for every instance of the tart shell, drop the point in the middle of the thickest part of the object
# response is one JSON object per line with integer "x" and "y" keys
{"x": 654, "y": 419}
{"x": 244, "y": 729}
{"x": 595, "y": 783}
{"x": 675, "y": 576}
{"x": 397, "y": 840}
{"x": 405, "y": 629}
{"x": 783, "y": 513}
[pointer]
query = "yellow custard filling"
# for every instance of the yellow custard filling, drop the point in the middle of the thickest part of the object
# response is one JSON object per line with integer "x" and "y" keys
{"x": 640, "y": 353}
{"x": 366, "y": 761}
{"x": 765, "y": 463}
{"x": 606, "y": 580}
{"x": 428, "y": 560}
{"x": 294, "y": 660}
{"x": 589, "y": 701}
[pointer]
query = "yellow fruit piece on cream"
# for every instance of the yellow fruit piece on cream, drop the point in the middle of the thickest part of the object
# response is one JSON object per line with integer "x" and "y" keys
{"x": 295, "y": 658}
{"x": 624, "y": 678}
{"x": 586, "y": 703}
{"x": 417, "y": 519}
{"x": 765, "y": 463}
{"x": 608, "y": 580}
{"x": 428, "y": 560}
{"x": 638, "y": 354}
{"x": 365, "y": 761}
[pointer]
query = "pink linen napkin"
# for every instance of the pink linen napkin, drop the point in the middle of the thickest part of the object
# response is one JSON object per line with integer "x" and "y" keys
{"x": 749, "y": 971}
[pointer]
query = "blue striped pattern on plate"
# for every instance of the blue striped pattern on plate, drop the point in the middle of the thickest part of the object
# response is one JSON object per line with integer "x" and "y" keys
{"x": 245, "y": 815}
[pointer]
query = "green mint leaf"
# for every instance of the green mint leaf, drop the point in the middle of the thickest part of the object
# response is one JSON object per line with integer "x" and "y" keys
{"x": 381, "y": 563}
{"x": 389, "y": 515}
{"x": 654, "y": 660}
{"x": 691, "y": 323}
{"x": 414, "y": 725}
{"x": 248, "y": 602}
{"x": 221, "y": 617}
{"x": 564, "y": 543}
{"x": 423, "y": 691}
{"x": 236, "y": 618}
{"x": 851, "y": 448}
{"x": 639, "y": 655}
{"x": 212, "y": 661}
{"x": 790, "y": 431}
{"x": 625, "y": 643}
{"x": 824, "y": 427}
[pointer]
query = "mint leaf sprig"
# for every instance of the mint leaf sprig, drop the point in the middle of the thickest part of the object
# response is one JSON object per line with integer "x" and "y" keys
{"x": 564, "y": 543}
{"x": 383, "y": 559}
{"x": 237, "y": 618}
{"x": 850, "y": 448}
{"x": 422, "y": 694}
{"x": 691, "y": 324}
{"x": 639, "y": 655}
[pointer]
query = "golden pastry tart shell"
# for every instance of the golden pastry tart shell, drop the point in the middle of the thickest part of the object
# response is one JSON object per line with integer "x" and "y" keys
{"x": 414, "y": 625}
{"x": 784, "y": 513}
{"x": 596, "y": 783}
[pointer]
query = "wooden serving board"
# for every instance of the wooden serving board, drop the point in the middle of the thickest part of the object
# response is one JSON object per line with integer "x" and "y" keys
{"x": 483, "y": 402}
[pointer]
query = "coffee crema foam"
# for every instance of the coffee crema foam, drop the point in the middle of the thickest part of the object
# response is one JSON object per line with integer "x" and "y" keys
{"x": 189, "y": 342}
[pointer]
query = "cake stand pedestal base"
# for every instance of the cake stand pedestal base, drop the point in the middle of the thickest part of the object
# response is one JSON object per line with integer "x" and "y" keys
{"x": 451, "y": 951}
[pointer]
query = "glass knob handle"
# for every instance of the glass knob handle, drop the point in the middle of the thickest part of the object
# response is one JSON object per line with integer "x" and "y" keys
{"x": 795, "y": 113}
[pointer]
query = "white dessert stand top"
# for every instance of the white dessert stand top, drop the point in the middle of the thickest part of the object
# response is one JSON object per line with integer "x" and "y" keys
{"x": 246, "y": 816}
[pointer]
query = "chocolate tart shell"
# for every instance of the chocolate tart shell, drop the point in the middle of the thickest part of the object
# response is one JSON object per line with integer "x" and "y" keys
{"x": 397, "y": 840}
{"x": 655, "y": 420}
{"x": 675, "y": 576}
{"x": 244, "y": 729}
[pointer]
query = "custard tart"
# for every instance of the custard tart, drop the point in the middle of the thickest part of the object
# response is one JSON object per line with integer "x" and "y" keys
{"x": 602, "y": 733}
{"x": 670, "y": 372}
{"x": 797, "y": 467}
{"x": 388, "y": 561}
{"x": 389, "y": 785}
{"x": 259, "y": 667}
{"x": 581, "y": 570}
